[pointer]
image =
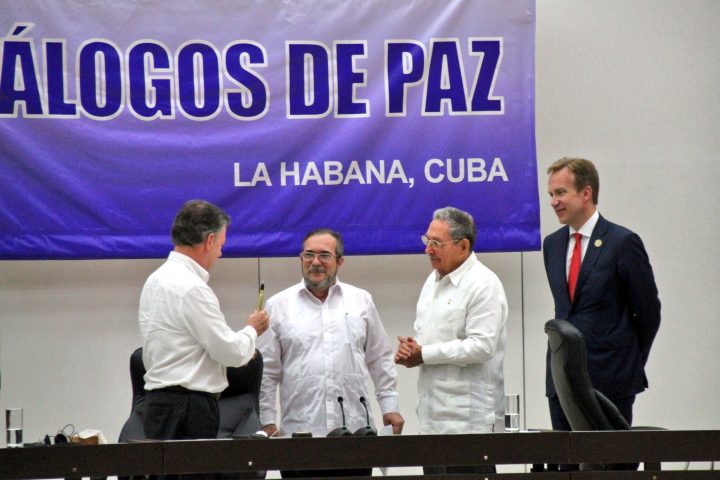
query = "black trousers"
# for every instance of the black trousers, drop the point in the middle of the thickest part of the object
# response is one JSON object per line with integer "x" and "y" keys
{"x": 181, "y": 415}
{"x": 560, "y": 422}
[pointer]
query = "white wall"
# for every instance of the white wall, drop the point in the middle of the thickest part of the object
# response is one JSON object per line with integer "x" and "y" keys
{"x": 633, "y": 86}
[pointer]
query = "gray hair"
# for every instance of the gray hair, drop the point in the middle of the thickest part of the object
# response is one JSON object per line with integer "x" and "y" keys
{"x": 461, "y": 223}
{"x": 195, "y": 221}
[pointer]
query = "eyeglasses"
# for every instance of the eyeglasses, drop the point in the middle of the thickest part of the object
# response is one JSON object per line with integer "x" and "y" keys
{"x": 434, "y": 243}
{"x": 309, "y": 256}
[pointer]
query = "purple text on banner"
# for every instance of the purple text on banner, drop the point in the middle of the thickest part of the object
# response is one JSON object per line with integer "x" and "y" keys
{"x": 362, "y": 116}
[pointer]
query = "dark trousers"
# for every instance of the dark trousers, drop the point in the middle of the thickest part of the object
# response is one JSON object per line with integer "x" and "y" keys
{"x": 560, "y": 421}
{"x": 181, "y": 415}
{"x": 177, "y": 415}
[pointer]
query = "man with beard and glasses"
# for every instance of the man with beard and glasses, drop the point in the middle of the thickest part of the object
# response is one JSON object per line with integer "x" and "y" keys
{"x": 326, "y": 337}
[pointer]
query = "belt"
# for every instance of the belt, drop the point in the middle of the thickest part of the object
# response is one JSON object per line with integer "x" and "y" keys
{"x": 179, "y": 389}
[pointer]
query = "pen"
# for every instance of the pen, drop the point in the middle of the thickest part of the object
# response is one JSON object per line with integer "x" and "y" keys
{"x": 261, "y": 297}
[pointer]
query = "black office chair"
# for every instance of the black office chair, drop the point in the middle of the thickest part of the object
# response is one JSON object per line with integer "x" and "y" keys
{"x": 239, "y": 406}
{"x": 239, "y": 403}
{"x": 585, "y": 408}
{"x": 133, "y": 427}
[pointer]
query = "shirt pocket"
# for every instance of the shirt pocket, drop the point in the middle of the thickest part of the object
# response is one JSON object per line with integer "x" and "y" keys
{"x": 356, "y": 331}
{"x": 352, "y": 347}
{"x": 453, "y": 323}
{"x": 451, "y": 394}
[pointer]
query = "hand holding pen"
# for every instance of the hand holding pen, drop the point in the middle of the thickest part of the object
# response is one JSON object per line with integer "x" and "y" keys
{"x": 259, "y": 319}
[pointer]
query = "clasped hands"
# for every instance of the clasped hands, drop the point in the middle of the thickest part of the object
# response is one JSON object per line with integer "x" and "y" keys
{"x": 409, "y": 352}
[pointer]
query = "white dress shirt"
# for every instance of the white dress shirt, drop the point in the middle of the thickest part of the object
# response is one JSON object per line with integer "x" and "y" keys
{"x": 585, "y": 232}
{"x": 186, "y": 340}
{"x": 316, "y": 351}
{"x": 460, "y": 324}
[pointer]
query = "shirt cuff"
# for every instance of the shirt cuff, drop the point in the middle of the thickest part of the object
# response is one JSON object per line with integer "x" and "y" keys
{"x": 251, "y": 332}
{"x": 267, "y": 419}
{"x": 389, "y": 403}
{"x": 431, "y": 354}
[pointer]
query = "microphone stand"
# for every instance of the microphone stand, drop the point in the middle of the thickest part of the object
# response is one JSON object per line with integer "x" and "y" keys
{"x": 367, "y": 430}
{"x": 341, "y": 431}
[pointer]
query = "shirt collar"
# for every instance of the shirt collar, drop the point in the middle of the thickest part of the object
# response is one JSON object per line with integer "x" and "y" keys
{"x": 335, "y": 289}
{"x": 456, "y": 275}
{"x": 587, "y": 229}
{"x": 190, "y": 264}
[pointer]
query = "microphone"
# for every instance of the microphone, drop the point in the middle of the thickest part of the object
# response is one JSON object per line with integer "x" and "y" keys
{"x": 341, "y": 431}
{"x": 367, "y": 430}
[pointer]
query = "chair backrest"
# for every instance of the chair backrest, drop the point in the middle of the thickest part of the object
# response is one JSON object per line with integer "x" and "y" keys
{"x": 239, "y": 407}
{"x": 133, "y": 428}
{"x": 137, "y": 377}
{"x": 584, "y": 407}
{"x": 239, "y": 403}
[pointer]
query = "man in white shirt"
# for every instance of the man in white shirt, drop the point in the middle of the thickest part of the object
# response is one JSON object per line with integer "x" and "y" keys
{"x": 325, "y": 339}
{"x": 459, "y": 341}
{"x": 186, "y": 341}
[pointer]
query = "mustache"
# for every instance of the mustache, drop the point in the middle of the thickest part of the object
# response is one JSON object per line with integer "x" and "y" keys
{"x": 317, "y": 270}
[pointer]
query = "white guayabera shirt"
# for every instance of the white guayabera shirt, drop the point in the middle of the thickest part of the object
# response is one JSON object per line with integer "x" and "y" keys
{"x": 316, "y": 351}
{"x": 460, "y": 324}
{"x": 186, "y": 340}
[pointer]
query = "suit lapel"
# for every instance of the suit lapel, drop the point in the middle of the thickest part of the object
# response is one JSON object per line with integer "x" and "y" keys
{"x": 558, "y": 265}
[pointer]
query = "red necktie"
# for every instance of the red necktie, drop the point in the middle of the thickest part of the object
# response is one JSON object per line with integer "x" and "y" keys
{"x": 575, "y": 265}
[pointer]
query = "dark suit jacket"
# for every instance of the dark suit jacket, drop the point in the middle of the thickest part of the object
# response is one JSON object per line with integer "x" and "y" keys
{"x": 616, "y": 306}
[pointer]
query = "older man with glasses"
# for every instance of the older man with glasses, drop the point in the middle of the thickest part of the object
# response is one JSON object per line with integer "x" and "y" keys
{"x": 459, "y": 341}
{"x": 326, "y": 338}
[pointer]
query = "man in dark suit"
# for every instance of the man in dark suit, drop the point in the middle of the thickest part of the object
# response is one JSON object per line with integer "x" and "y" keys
{"x": 614, "y": 302}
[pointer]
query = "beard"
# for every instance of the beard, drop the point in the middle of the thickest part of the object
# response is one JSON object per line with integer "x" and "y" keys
{"x": 322, "y": 285}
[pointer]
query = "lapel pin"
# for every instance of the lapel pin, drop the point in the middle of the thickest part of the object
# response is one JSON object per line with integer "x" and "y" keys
{"x": 598, "y": 242}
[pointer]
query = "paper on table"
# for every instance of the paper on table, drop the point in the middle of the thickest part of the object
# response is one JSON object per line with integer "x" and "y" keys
{"x": 386, "y": 430}
{"x": 89, "y": 437}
